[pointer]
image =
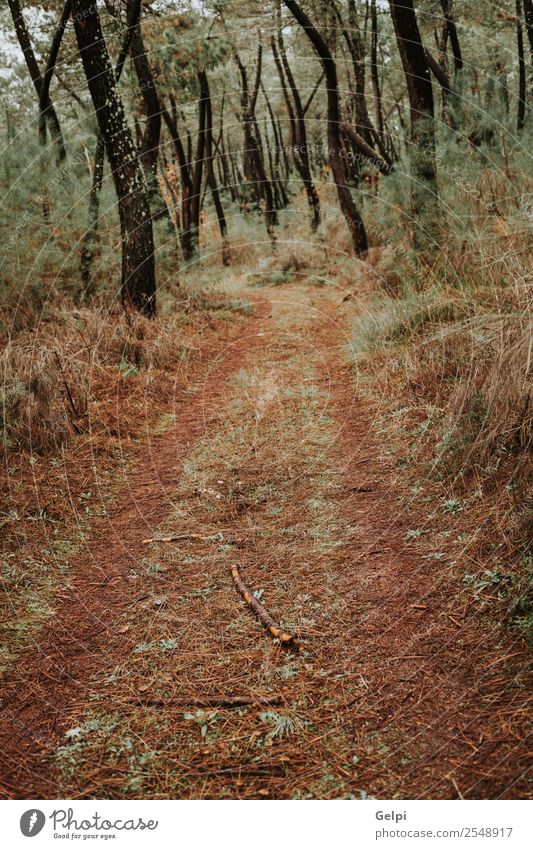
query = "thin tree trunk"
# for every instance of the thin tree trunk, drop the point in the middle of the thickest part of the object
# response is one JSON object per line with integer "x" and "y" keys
{"x": 354, "y": 41}
{"x": 210, "y": 171}
{"x": 185, "y": 179}
{"x": 253, "y": 159}
{"x": 149, "y": 147}
{"x": 423, "y": 165}
{"x": 91, "y": 234}
{"x": 300, "y": 132}
{"x": 521, "y": 110}
{"x": 24, "y": 41}
{"x": 452, "y": 32}
{"x": 349, "y": 209}
{"x": 198, "y": 172}
{"x": 374, "y": 71}
{"x": 44, "y": 97}
{"x": 276, "y": 171}
{"x": 138, "y": 269}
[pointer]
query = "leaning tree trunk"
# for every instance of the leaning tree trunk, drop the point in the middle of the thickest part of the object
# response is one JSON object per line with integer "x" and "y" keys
{"x": 349, "y": 209}
{"x": 184, "y": 161}
{"x": 423, "y": 164}
{"x": 37, "y": 79}
{"x": 45, "y": 105}
{"x": 300, "y": 149}
{"x": 138, "y": 269}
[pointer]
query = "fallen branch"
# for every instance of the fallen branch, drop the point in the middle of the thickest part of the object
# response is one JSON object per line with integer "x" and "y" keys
{"x": 368, "y": 152}
{"x": 262, "y": 614}
{"x": 181, "y": 537}
{"x": 209, "y": 701}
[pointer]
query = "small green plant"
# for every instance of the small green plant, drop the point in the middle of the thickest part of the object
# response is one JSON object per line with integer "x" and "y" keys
{"x": 281, "y": 724}
{"x": 452, "y": 505}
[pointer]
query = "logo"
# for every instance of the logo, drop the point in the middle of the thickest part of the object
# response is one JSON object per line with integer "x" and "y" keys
{"x": 32, "y": 822}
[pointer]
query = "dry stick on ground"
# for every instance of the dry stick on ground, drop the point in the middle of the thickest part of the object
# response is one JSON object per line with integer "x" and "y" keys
{"x": 262, "y": 614}
{"x": 209, "y": 701}
{"x": 181, "y": 537}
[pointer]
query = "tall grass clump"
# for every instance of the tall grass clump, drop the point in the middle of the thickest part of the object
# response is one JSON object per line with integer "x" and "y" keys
{"x": 451, "y": 340}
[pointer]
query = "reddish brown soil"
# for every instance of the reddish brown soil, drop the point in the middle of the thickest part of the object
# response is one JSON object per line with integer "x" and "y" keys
{"x": 397, "y": 667}
{"x": 82, "y": 631}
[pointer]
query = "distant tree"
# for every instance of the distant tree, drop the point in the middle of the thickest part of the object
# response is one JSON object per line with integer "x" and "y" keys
{"x": 335, "y": 144}
{"x": 205, "y": 95}
{"x": 296, "y": 110}
{"x": 253, "y": 155}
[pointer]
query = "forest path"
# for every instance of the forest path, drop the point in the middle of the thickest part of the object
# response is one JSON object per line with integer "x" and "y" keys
{"x": 387, "y": 695}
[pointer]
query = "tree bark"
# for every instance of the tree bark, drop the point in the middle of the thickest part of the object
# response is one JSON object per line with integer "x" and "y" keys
{"x": 348, "y": 207}
{"x": 364, "y": 148}
{"x": 44, "y": 97}
{"x": 423, "y": 165}
{"x": 452, "y": 32}
{"x": 186, "y": 183}
{"x": 149, "y": 147}
{"x": 205, "y": 94}
{"x": 90, "y": 238}
{"x": 253, "y": 159}
{"x": 300, "y": 148}
{"x": 198, "y": 172}
{"x": 277, "y": 179}
{"x": 24, "y": 41}
{"x": 138, "y": 269}
{"x": 521, "y": 108}
{"x": 374, "y": 72}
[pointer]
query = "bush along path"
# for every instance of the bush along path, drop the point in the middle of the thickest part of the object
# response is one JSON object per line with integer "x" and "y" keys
{"x": 155, "y": 677}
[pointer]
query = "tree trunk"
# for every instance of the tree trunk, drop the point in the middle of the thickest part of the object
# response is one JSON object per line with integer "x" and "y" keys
{"x": 91, "y": 234}
{"x": 44, "y": 97}
{"x": 198, "y": 173}
{"x": 300, "y": 150}
{"x": 278, "y": 142}
{"x": 452, "y": 32}
{"x": 149, "y": 147}
{"x": 253, "y": 159}
{"x": 374, "y": 72}
{"x": 90, "y": 238}
{"x": 37, "y": 79}
{"x": 138, "y": 269}
{"x": 348, "y": 207}
{"x": 521, "y": 109}
{"x": 186, "y": 183}
{"x": 423, "y": 165}
{"x": 205, "y": 94}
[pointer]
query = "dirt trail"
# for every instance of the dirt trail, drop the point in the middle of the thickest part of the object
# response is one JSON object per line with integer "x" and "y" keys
{"x": 388, "y": 695}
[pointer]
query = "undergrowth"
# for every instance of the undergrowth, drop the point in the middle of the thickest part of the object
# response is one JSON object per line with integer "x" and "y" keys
{"x": 451, "y": 343}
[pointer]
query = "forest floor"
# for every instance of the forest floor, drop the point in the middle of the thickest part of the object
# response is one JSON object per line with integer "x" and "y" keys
{"x": 398, "y": 689}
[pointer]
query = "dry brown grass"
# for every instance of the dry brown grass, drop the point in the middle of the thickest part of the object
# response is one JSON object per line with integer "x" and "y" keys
{"x": 50, "y": 375}
{"x": 451, "y": 348}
